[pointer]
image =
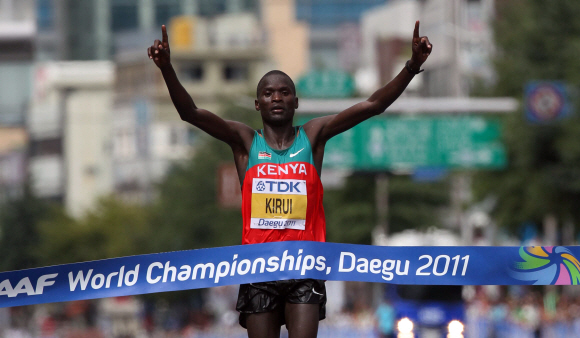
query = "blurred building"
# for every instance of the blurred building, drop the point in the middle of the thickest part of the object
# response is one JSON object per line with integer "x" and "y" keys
{"x": 69, "y": 127}
{"x": 13, "y": 141}
{"x": 335, "y": 36}
{"x": 463, "y": 45}
{"x": 88, "y": 30}
{"x": 287, "y": 39}
{"x": 17, "y": 31}
{"x": 386, "y": 45}
{"x": 217, "y": 60}
{"x": 220, "y": 48}
{"x": 461, "y": 34}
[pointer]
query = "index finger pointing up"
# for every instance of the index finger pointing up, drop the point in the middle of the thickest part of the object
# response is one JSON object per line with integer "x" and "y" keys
{"x": 164, "y": 33}
{"x": 416, "y": 32}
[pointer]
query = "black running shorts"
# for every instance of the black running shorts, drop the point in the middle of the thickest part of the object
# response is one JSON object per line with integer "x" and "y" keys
{"x": 270, "y": 296}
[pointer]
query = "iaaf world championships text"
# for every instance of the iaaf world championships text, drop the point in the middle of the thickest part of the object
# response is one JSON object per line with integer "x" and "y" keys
{"x": 163, "y": 272}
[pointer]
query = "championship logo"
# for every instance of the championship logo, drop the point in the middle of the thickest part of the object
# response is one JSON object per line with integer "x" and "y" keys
{"x": 545, "y": 265}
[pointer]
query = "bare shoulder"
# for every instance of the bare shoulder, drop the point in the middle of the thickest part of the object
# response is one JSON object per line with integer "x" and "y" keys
{"x": 244, "y": 132}
{"x": 241, "y": 128}
{"x": 314, "y": 127}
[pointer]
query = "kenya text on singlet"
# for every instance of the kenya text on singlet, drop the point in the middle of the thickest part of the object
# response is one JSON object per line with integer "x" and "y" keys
{"x": 282, "y": 193}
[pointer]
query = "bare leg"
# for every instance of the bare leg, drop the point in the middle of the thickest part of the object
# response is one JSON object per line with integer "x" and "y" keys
{"x": 302, "y": 320}
{"x": 264, "y": 325}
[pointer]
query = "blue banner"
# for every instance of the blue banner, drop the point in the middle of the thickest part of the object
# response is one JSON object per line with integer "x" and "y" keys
{"x": 193, "y": 269}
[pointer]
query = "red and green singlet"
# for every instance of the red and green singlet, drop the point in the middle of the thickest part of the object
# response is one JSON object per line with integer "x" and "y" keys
{"x": 282, "y": 193}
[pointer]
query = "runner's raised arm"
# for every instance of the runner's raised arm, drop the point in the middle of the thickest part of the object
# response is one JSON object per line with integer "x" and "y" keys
{"x": 236, "y": 134}
{"x": 322, "y": 129}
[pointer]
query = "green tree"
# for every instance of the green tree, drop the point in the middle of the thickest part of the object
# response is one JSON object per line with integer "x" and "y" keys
{"x": 111, "y": 229}
{"x": 351, "y": 211}
{"x": 536, "y": 40}
{"x": 19, "y": 218}
{"x": 416, "y": 205}
{"x": 186, "y": 214}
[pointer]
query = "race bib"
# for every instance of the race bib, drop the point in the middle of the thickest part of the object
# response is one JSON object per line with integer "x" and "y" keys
{"x": 278, "y": 204}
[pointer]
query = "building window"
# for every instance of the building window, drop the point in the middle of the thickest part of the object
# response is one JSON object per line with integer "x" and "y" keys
{"x": 176, "y": 136}
{"x": 124, "y": 15}
{"x": 250, "y": 5}
{"x": 124, "y": 144}
{"x": 45, "y": 13}
{"x": 193, "y": 72}
{"x": 192, "y": 136}
{"x": 236, "y": 72}
{"x": 80, "y": 15}
{"x": 331, "y": 13}
{"x": 211, "y": 7}
{"x": 165, "y": 10}
{"x": 44, "y": 147}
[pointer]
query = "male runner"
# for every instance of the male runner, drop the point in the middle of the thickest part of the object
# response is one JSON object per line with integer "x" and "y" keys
{"x": 279, "y": 171}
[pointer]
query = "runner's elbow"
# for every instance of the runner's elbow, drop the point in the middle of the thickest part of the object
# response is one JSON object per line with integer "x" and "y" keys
{"x": 186, "y": 113}
{"x": 380, "y": 107}
{"x": 375, "y": 107}
{"x": 183, "y": 117}
{"x": 186, "y": 116}
{"x": 376, "y": 110}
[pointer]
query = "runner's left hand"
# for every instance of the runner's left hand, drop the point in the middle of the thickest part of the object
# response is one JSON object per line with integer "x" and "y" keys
{"x": 421, "y": 48}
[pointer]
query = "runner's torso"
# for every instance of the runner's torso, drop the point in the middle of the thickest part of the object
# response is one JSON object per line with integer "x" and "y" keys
{"x": 282, "y": 193}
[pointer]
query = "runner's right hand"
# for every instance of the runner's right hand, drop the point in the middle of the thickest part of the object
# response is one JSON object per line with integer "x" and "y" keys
{"x": 159, "y": 51}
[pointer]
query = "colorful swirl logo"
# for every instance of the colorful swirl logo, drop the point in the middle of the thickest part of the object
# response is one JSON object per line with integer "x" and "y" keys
{"x": 545, "y": 265}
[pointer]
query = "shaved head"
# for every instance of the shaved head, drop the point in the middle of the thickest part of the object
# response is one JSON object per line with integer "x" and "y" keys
{"x": 275, "y": 73}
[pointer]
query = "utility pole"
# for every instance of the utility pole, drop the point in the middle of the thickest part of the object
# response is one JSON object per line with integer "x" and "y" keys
{"x": 381, "y": 231}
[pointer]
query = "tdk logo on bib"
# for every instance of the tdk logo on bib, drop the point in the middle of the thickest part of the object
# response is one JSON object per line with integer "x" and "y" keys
{"x": 273, "y": 186}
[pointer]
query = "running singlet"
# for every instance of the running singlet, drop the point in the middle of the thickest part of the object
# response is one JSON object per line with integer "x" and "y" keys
{"x": 282, "y": 194}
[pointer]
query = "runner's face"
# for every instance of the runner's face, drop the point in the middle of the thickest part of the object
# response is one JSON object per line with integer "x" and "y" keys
{"x": 276, "y": 101}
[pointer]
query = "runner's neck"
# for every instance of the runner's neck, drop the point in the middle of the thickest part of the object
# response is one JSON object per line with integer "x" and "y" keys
{"x": 279, "y": 137}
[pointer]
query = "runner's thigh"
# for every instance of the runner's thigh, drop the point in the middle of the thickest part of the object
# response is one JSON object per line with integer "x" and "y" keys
{"x": 302, "y": 320}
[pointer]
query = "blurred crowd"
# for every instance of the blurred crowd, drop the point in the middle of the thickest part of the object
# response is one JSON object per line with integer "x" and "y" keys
{"x": 523, "y": 312}
{"x": 490, "y": 312}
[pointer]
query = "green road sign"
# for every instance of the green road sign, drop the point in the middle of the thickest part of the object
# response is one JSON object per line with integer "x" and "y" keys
{"x": 326, "y": 84}
{"x": 414, "y": 142}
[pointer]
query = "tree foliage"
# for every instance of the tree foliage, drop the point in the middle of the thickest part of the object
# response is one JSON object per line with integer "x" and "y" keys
{"x": 112, "y": 229}
{"x": 186, "y": 214}
{"x": 19, "y": 237}
{"x": 536, "y": 40}
{"x": 352, "y": 211}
